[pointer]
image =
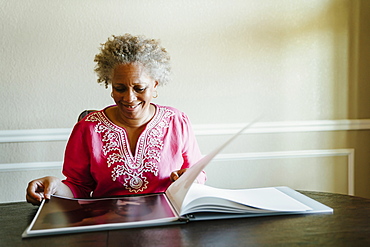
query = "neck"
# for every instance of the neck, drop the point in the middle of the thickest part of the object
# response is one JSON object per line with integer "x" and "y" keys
{"x": 136, "y": 122}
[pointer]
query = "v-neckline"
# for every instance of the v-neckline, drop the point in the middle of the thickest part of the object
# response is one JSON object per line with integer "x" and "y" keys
{"x": 140, "y": 139}
{"x": 129, "y": 143}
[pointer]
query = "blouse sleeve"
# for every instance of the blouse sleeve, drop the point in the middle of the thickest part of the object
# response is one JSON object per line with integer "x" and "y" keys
{"x": 191, "y": 152}
{"x": 76, "y": 165}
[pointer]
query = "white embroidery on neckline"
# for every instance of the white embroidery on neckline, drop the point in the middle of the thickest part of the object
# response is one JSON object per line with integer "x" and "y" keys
{"x": 128, "y": 169}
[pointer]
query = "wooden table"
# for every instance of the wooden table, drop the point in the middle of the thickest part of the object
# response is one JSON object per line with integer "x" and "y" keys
{"x": 348, "y": 226}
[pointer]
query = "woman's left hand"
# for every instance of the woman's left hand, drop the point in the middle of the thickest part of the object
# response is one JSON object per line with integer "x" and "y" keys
{"x": 176, "y": 174}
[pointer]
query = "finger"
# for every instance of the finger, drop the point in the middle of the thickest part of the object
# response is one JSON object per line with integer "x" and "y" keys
{"x": 32, "y": 200}
{"x": 182, "y": 171}
{"x": 33, "y": 190}
{"x": 48, "y": 190}
{"x": 174, "y": 176}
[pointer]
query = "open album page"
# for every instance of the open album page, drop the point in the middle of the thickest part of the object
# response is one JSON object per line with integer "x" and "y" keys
{"x": 204, "y": 198}
{"x": 68, "y": 215}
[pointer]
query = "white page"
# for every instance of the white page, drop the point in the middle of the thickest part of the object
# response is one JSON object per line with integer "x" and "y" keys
{"x": 177, "y": 191}
{"x": 263, "y": 198}
{"x": 218, "y": 205}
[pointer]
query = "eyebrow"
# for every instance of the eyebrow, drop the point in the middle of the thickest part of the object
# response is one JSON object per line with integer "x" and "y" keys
{"x": 133, "y": 83}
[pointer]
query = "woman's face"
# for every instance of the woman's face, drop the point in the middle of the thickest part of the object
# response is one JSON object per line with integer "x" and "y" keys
{"x": 132, "y": 90}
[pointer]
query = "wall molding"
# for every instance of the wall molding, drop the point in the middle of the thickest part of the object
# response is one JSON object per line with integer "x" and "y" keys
{"x": 284, "y": 127}
{"x": 62, "y": 134}
{"x": 34, "y": 135}
{"x": 26, "y": 166}
{"x": 349, "y": 153}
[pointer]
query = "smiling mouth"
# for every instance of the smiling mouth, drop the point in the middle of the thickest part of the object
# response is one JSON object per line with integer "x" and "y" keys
{"x": 131, "y": 107}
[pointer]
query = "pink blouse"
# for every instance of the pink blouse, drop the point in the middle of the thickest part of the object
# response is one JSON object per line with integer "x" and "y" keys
{"x": 98, "y": 161}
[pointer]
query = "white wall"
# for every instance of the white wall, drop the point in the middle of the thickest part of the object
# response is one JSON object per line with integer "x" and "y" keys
{"x": 232, "y": 61}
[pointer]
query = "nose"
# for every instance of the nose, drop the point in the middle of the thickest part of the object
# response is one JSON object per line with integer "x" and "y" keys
{"x": 129, "y": 96}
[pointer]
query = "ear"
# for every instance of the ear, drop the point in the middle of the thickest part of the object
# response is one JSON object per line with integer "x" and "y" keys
{"x": 156, "y": 84}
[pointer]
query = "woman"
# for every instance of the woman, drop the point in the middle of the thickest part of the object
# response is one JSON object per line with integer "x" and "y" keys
{"x": 134, "y": 146}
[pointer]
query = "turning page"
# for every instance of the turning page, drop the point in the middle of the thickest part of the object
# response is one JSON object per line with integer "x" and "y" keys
{"x": 177, "y": 191}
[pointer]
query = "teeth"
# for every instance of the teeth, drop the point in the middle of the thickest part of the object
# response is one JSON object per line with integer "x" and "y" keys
{"x": 131, "y": 106}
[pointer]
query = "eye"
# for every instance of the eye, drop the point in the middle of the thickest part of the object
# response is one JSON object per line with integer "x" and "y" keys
{"x": 140, "y": 89}
{"x": 120, "y": 89}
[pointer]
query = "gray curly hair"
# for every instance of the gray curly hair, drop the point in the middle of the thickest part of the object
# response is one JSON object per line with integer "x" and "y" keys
{"x": 132, "y": 49}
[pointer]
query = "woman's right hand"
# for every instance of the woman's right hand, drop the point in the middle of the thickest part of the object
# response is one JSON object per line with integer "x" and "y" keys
{"x": 42, "y": 188}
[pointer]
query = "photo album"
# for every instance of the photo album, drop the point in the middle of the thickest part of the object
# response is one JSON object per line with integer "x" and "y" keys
{"x": 184, "y": 201}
